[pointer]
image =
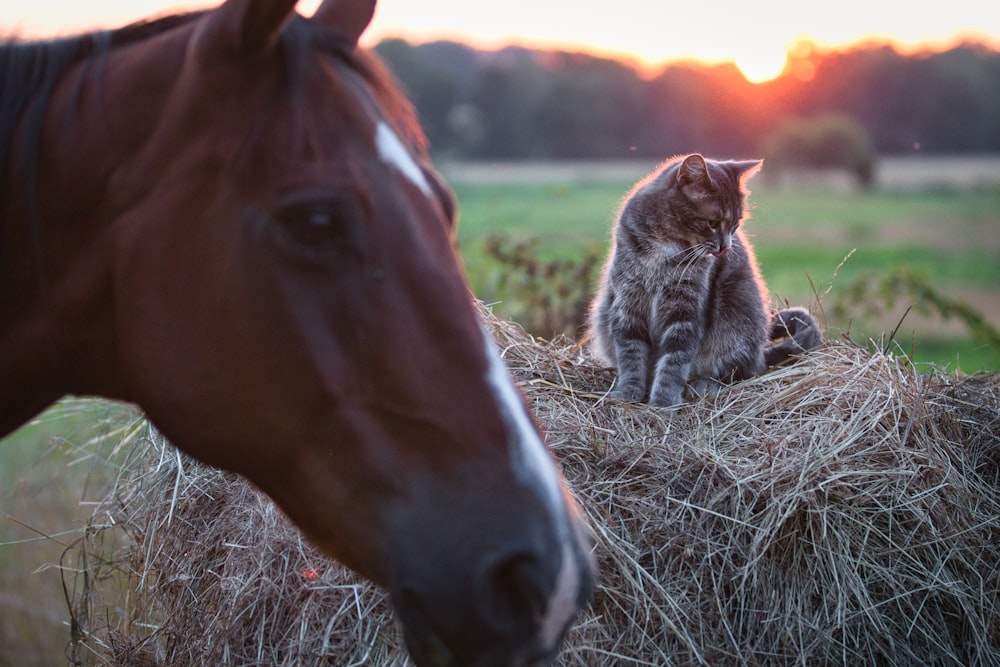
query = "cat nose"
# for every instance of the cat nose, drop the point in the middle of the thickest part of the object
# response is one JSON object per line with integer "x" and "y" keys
{"x": 723, "y": 243}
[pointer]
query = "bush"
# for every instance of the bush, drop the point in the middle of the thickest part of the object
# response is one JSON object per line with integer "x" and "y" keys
{"x": 833, "y": 141}
{"x": 548, "y": 297}
{"x": 876, "y": 294}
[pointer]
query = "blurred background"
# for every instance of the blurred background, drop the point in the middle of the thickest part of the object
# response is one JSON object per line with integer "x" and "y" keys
{"x": 879, "y": 197}
{"x": 878, "y": 205}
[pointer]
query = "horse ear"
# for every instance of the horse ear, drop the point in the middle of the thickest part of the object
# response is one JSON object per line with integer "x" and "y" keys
{"x": 246, "y": 27}
{"x": 348, "y": 17}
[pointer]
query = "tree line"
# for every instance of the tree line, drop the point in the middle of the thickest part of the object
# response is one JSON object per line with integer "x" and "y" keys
{"x": 519, "y": 103}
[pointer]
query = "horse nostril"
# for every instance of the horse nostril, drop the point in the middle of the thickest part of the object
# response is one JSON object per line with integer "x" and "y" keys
{"x": 515, "y": 593}
{"x": 426, "y": 646}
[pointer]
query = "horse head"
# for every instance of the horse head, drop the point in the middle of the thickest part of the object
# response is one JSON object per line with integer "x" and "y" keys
{"x": 244, "y": 236}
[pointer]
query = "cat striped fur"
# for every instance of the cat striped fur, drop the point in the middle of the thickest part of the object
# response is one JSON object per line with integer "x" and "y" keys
{"x": 681, "y": 307}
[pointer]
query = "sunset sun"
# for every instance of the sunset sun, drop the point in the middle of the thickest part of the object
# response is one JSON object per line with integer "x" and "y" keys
{"x": 761, "y": 64}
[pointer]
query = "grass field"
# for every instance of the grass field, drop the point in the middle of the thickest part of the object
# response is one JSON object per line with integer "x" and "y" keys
{"x": 949, "y": 231}
{"x": 49, "y": 471}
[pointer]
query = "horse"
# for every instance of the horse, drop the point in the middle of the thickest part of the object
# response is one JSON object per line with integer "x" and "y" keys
{"x": 229, "y": 218}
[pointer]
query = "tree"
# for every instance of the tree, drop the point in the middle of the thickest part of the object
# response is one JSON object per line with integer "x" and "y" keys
{"x": 833, "y": 140}
{"x": 519, "y": 103}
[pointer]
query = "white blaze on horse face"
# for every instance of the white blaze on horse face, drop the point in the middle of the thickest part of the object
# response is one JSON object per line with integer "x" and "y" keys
{"x": 562, "y": 604}
{"x": 533, "y": 465}
{"x": 392, "y": 151}
{"x": 529, "y": 457}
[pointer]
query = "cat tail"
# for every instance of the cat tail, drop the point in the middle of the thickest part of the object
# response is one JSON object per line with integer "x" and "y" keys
{"x": 794, "y": 332}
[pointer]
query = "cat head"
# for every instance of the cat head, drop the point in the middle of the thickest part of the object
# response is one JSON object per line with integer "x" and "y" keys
{"x": 708, "y": 201}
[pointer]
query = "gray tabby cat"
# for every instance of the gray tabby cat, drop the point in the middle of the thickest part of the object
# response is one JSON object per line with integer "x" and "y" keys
{"x": 681, "y": 308}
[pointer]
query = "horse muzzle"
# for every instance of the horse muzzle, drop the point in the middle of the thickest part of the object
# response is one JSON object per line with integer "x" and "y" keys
{"x": 512, "y": 611}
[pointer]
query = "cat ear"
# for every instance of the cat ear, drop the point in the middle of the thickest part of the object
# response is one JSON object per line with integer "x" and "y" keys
{"x": 746, "y": 169}
{"x": 693, "y": 178}
{"x": 693, "y": 170}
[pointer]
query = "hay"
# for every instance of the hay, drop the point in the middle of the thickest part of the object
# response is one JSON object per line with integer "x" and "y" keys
{"x": 843, "y": 510}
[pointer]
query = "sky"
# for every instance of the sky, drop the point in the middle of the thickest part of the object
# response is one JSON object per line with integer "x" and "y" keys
{"x": 754, "y": 35}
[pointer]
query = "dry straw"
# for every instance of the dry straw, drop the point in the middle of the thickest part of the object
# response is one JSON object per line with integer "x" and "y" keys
{"x": 844, "y": 510}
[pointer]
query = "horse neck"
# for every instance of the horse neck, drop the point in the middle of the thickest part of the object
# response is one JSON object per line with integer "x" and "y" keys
{"x": 56, "y": 222}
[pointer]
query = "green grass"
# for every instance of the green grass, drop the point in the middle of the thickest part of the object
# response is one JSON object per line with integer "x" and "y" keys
{"x": 801, "y": 237}
{"x": 957, "y": 355}
{"x": 49, "y": 470}
{"x": 786, "y": 267}
{"x": 866, "y": 211}
{"x": 565, "y": 217}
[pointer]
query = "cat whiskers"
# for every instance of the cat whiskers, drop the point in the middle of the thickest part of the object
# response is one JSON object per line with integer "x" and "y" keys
{"x": 688, "y": 257}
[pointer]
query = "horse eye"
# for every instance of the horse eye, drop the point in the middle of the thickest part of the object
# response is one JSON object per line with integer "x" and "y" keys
{"x": 315, "y": 224}
{"x": 312, "y": 228}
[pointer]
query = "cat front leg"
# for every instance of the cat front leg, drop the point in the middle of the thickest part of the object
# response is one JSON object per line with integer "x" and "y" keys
{"x": 704, "y": 387}
{"x": 632, "y": 359}
{"x": 673, "y": 368}
{"x": 668, "y": 385}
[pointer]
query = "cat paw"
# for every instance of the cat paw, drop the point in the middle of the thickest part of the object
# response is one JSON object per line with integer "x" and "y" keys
{"x": 632, "y": 394}
{"x": 666, "y": 399}
{"x": 704, "y": 388}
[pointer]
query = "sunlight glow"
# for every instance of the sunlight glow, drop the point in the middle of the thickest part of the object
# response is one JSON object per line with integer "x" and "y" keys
{"x": 761, "y": 65}
{"x": 646, "y": 33}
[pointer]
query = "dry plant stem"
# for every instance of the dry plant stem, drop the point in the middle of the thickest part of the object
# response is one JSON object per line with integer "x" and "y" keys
{"x": 842, "y": 510}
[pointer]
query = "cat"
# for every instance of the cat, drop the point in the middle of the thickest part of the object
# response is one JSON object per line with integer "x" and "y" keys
{"x": 681, "y": 307}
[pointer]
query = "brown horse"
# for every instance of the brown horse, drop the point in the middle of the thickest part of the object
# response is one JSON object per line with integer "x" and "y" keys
{"x": 228, "y": 218}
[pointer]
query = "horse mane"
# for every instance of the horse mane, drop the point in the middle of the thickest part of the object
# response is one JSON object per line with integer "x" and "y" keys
{"x": 30, "y": 71}
{"x": 394, "y": 100}
{"x": 301, "y": 35}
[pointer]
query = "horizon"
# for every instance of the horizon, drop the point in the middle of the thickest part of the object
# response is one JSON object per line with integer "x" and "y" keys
{"x": 757, "y": 39}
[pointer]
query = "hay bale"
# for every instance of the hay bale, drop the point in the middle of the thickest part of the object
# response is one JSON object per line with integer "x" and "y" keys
{"x": 843, "y": 510}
